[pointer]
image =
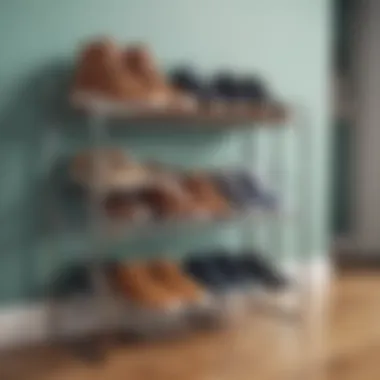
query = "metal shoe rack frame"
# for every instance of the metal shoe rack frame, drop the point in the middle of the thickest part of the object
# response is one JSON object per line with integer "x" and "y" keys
{"x": 302, "y": 293}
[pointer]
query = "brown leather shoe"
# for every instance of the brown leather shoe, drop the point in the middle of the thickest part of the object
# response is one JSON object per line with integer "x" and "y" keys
{"x": 139, "y": 61}
{"x": 169, "y": 201}
{"x": 120, "y": 207}
{"x": 206, "y": 196}
{"x": 171, "y": 276}
{"x": 137, "y": 284}
{"x": 102, "y": 76}
{"x": 163, "y": 203}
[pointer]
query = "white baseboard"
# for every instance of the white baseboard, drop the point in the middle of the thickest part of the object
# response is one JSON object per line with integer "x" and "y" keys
{"x": 22, "y": 324}
{"x": 32, "y": 323}
{"x": 29, "y": 324}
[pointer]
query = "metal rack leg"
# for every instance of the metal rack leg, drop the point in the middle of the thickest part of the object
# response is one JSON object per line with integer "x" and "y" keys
{"x": 315, "y": 275}
{"x": 101, "y": 305}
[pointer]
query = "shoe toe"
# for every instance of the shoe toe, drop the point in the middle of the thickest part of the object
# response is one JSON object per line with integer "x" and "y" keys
{"x": 201, "y": 270}
{"x": 263, "y": 272}
{"x": 174, "y": 306}
{"x": 230, "y": 268}
{"x": 187, "y": 102}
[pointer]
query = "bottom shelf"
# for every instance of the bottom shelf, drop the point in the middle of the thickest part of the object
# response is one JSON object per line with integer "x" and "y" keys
{"x": 91, "y": 316}
{"x": 161, "y": 297}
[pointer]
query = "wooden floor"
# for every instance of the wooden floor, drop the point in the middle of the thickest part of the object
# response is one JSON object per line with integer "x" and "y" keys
{"x": 348, "y": 347}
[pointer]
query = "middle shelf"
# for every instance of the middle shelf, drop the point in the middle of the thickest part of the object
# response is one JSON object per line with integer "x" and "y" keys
{"x": 111, "y": 195}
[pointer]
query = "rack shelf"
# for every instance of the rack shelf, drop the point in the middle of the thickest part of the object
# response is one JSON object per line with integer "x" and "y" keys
{"x": 222, "y": 116}
{"x": 122, "y": 231}
{"x": 128, "y": 228}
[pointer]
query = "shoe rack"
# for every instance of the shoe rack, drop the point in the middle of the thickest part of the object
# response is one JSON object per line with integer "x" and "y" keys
{"x": 218, "y": 308}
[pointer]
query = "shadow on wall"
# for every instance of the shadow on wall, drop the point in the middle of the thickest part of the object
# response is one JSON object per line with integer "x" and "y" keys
{"x": 25, "y": 125}
{"x": 42, "y": 99}
{"x": 26, "y": 115}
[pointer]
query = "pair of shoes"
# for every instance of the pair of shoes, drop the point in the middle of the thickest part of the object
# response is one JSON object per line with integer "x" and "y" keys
{"x": 138, "y": 192}
{"x": 162, "y": 193}
{"x": 169, "y": 203}
{"x": 158, "y": 285}
{"x": 217, "y": 270}
{"x": 257, "y": 266}
{"x": 206, "y": 196}
{"x": 223, "y": 86}
{"x": 235, "y": 88}
{"x": 186, "y": 196}
{"x": 203, "y": 270}
{"x": 254, "y": 191}
{"x": 125, "y": 206}
{"x": 108, "y": 170}
{"x": 167, "y": 199}
{"x": 127, "y": 77}
{"x": 244, "y": 190}
{"x": 220, "y": 271}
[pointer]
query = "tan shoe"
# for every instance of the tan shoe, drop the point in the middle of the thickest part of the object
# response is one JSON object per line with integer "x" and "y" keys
{"x": 109, "y": 170}
{"x": 169, "y": 197}
{"x": 137, "y": 284}
{"x": 170, "y": 202}
{"x": 122, "y": 208}
{"x": 171, "y": 276}
{"x": 102, "y": 77}
{"x": 163, "y": 203}
{"x": 139, "y": 61}
{"x": 206, "y": 195}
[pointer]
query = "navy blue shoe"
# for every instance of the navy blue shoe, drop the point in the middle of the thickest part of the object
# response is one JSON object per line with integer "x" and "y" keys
{"x": 233, "y": 273}
{"x": 253, "y": 188}
{"x": 228, "y": 185}
{"x": 203, "y": 271}
{"x": 253, "y": 90}
{"x": 249, "y": 187}
{"x": 225, "y": 86}
{"x": 262, "y": 271}
{"x": 255, "y": 195}
{"x": 244, "y": 191}
{"x": 187, "y": 80}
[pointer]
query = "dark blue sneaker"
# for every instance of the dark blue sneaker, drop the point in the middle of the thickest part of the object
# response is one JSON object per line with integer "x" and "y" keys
{"x": 225, "y": 86}
{"x": 228, "y": 184}
{"x": 244, "y": 191}
{"x": 187, "y": 80}
{"x": 253, "y": 191}
{"x": 253, "y": 90}
{"x": 203, "y": 271}
{"x": 233, "y": 273}
{"x": 249, "y": 187}
{"x": 262, "y": 271}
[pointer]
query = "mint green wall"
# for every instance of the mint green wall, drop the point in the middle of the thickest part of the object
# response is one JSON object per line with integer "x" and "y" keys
{"x": 285, "y": 40}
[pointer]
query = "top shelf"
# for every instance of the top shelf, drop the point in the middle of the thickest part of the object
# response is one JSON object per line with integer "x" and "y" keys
{"x": 226, "y": 116}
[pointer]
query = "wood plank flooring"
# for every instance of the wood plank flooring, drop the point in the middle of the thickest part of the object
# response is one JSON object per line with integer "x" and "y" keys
{"x": 347, "y": 347}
